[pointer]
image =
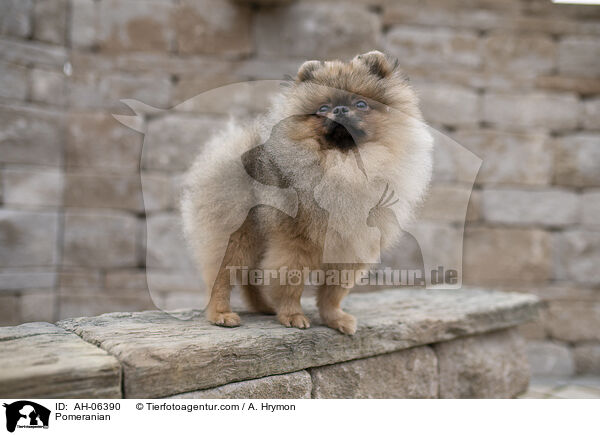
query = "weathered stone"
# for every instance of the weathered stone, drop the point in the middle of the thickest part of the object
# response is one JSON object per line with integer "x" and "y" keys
{"x": 50, "y": 21}
{"x": 29, "y": 53}
{"x": 474, "y": 207}
{"x": 587, "y": 358}
{"x": 189, "y": 86}
{"x": 439, "y": 242}
{"x": 521, "y": 54}
{"x": 578, "y": 387}
{"x": 551, "y": 10}
{"x": 316, "y": 30}
{"x": 38, "y": 306}
{"x": 446, "y": 202}
{"x": 27, "y": 278}
{"x": 126, "y": 279}
{"x": 522, "y": 111}
{"x": 136, "y": 25}
{"x": 116, "y": 147}
{"x": 212, "y": 26}
{"x": 577, "y": 159}
{"x": 144, "y": 61}
{"x": 558, "y": 26}
{"x": 591, "y": 114}
{"x": 159, "y": 192}
{"x": 577, "y": 255}
{"x": 84, "y": 23}
{"x": 10, "y": 313}
{"x": 433, "y": 47}
{"x": 501, "y": 255}
{"x": 240, "y": 100}
{"x": 542, "y": 207}
{"x": 172, "y": 281}
{"x": 483, "y": 15}
{"x": 479, "y": 80}
{"x": 408, "y": 374}
{"x": 295, "y": 385}
{"x": 13, "y": 81}
{"x": 77, "y": 303}
{"x": 579, "y": 85}
{"x": 80, "y": 278}
{"x": 493, "y": 365}
{"x": 30, "y": 135}
{"x": 533, "y": 331}
{"x": 449, "y": 105}
{"x": 182, "y": 300}
{"x": 574, "y": 320}
{"x": 108, "y": 294}
{"x": 508, "y": 157}
{"x": 268, "y": 69}
{"x": 590, "y": 204}
{"x": 28, "y": 238}
{"x": 100, "y": 239}
{"x": 48, "y": 87}
{"x": 103, "y": 191}
{"x": 15, "y": 17}
{"x": 154, "y": 366}
{"x": 91, "y": 89}
{"x": 579, "y": 56}
{"x": 174, "y": 140}
{"x": 547, "y": 358}
{"x": 165, "y": 245}
{"x": 563, "y": 291}
{"x": 38, "y": 186}
{"x": 576, "y": 392}
{"x": 42, "y": 360}
{"x": 453, "y": 162}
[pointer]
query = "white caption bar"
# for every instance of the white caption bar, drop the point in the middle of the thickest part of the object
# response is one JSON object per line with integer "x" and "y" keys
{"x": 174, "y": 416}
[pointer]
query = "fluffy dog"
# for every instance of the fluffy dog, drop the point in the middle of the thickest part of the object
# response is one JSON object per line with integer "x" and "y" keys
{"x": 348, "y": 139}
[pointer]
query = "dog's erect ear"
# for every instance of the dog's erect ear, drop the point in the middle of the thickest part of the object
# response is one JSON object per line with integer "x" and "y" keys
{"x": 378, "y": 63}
{"x": 306, "y": 70}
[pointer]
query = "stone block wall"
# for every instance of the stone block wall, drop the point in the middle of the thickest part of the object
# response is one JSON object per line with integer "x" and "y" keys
{"x": 419, "y": 345}
{"x": 517, "y": 82}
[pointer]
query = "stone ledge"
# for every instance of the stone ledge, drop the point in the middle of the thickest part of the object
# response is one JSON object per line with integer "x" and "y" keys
{"x": 295, "y": 385}
{"x": 162, "y": 355}
{"x": 42, "y": 360}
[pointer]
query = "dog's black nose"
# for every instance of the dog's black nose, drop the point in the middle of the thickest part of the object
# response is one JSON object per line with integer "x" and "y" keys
{"x": 340, "y": 110}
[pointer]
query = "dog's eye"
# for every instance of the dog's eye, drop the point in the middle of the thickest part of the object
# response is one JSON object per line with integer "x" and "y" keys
{"x": 361, "y": 104}
{"x": 323, "y": 109}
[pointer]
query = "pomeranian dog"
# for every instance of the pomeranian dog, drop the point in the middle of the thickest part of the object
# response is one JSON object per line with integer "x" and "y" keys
{"x": 345, "y": 157}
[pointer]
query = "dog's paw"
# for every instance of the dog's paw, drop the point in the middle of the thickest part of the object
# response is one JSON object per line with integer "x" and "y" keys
{"x": 294, "y": 320}
{"x": 229, "y": 319}
{"x": 345, "y": 323}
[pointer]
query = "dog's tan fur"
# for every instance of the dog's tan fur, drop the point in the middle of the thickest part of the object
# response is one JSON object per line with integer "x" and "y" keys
{"x": 395, "y": 152}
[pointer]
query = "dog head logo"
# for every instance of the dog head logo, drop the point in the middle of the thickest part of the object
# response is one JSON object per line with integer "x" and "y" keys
{"x": 26, "y": 414}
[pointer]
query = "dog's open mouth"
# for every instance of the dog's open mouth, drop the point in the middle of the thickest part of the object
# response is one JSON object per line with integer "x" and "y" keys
{"x": 342, "y": 136}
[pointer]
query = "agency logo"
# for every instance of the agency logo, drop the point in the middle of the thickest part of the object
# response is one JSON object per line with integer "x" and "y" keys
{"x": 24, "y": 414}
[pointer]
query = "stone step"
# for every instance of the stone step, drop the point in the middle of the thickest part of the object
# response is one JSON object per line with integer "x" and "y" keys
{"x": 162, "y": 355}
{"x": 43, "y": 360}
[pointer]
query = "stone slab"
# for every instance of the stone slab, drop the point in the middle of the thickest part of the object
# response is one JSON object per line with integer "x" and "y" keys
{"x": 295, "y": 385}
{"x": 42, "y": 360}
{"x": 162, "y": 355}
{"x": 487, "y": 366}
{"x": 407, "y": 374}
